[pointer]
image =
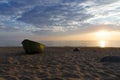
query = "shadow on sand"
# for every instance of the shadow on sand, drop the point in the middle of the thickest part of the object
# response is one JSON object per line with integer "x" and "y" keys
{"x": 15, "y": 54}
{"x": 110, "y": 59}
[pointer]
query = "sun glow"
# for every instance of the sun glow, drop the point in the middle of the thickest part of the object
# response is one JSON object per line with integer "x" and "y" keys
{"x": 103, "y": 33}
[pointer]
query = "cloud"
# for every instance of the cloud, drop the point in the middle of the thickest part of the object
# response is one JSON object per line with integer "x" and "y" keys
{"x": 105, "y": 12}
{"x": 64, "y": 14}
{"x": 7, "y": 29}
{"x": 53, "y": 17}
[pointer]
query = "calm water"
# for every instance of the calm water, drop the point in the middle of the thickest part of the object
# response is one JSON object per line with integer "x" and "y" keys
{"x": 101, "y": 43}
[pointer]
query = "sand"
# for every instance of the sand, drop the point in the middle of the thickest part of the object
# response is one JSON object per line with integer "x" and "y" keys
{"x": 59, "y": 63}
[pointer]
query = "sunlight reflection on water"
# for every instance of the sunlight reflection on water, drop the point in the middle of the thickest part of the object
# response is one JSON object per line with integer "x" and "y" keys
{"x": 102, "y": 43}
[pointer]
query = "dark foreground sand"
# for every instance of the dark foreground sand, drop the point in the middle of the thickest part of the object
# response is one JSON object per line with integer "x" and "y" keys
{"x": 59, "y": 64}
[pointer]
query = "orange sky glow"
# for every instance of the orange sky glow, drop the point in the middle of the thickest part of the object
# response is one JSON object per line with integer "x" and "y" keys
{"x": 97, "y": 35}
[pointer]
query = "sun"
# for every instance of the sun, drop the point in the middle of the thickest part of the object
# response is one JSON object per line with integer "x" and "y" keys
{"x": 103, "y": 36}
{"x": 103, "y": 33}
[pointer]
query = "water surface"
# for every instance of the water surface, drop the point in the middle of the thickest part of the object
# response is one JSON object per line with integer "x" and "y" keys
{"x": 101, "y": 43}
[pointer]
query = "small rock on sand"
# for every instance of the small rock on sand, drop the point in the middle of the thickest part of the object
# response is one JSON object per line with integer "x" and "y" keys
{"x": 75, "y": 49}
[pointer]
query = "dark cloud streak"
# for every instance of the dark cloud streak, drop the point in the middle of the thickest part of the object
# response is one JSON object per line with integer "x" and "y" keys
{"x": 63, "y": 14}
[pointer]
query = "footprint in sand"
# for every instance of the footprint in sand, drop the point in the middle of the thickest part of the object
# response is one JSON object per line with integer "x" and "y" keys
{"x": 42, "y": 75}
{"x": 9, "y": 77}
{"x": 52, "y": 79}
{"x": 70, "y": 75}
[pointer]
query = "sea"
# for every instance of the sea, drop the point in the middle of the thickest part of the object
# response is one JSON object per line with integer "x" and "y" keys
{"x": 101, "y": 43}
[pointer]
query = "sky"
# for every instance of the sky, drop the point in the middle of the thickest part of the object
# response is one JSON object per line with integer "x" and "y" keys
{"x": 48, "y": 20}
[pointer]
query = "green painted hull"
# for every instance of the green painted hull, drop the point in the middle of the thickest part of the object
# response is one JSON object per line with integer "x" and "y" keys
{"x": 32, "y": 47}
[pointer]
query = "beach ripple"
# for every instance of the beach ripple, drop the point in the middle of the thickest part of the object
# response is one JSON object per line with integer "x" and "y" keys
{"x": 61, "y": 64}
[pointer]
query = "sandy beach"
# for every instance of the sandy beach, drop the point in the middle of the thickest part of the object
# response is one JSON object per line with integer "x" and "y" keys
{"x": 59, "y": 63}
